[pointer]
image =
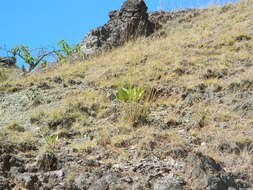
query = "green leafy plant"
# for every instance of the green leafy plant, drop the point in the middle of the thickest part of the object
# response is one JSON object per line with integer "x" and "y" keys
{"x": 134, "y": 111}
{"x": 129, "y": 95}
{"x": 26, "y": 54}
{"x": 66, "y": 49}
{"x": 51, "y": 140}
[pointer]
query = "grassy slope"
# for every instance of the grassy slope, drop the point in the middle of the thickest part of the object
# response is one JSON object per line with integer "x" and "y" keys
{"x": 213, "y": 49}
{"x": 8, "y": 73}
{"x": 209, "y": 40}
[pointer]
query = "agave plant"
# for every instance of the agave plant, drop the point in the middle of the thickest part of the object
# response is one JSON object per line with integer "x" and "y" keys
{"x": 129, "y": 95}
{"x": 51, "y": 139}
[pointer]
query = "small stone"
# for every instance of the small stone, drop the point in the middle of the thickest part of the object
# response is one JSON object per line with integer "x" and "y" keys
{"x": 57, "y": 80}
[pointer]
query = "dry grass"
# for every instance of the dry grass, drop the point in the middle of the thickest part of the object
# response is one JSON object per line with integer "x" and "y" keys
{"x": 213, "y": 39}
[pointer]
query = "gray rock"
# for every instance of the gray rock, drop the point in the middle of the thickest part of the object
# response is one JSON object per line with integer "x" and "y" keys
{"x": 7, "y": 61}
{"x": 217, "y": 182}
{"x": 162, "y": 17}
{"x": 4, "y": 183}
{"x": 81, "y": 181}
{"x": 70, "y": 185}
{"x": 225, "y": 181}
{"x": 202, "y": 165}
{"x": 8, "y": 161}
{"x": 210, "y": 175}
{"x": 167, "y": 186}
{"x": 104, "y": 182}
{"x": 29, "y": 181}
{"x": 47, "y": 162}
{"x": 129, "y": 22}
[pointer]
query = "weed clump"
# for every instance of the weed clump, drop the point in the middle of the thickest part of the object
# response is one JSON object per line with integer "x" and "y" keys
{"x": 15, "y": 126}
{"x": 134, "y": 110}
{"x": 129, "y": 95}
{"x": 66, "y": 50}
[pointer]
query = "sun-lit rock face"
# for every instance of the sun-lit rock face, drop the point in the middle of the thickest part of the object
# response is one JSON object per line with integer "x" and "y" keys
{"x": 129, "y": 22}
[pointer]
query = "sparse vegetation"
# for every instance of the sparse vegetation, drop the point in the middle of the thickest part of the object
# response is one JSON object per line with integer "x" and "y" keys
{"x": 41, "y": 54}
{"x": 134, "y": 112}
{"x": 51, "y": 140}
{"x": 15, "y": 126}
{"x": 37, "y": 116}
{"x": 26, "y": 54}
{"x": 3, "y": 76}
{"x": 199, "y": 102}
{"x": 66, "y": 50}
{"x": 129, "y": 95}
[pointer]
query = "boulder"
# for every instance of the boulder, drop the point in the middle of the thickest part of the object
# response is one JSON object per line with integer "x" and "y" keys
{"x": 7, "y": 61}
{"x": 130, "y": 22}
{"x": 208, "y": 174}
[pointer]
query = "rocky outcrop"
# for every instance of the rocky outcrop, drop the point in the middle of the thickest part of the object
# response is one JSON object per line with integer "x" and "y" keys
{"x": 129, "y": 22}
{"x": 202, "y": 171}
{"x": 7, "y": 61}
{"x": 209, "y": 174}
{"x": 162, "y": 17}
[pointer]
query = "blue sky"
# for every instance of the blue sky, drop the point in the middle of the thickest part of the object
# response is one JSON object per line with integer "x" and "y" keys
{"x": 42, "y": 23}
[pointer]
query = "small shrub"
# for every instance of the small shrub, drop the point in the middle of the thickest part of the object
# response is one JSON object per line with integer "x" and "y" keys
{"x": 26, "y": 54}
{"x": 66, "y": 50}
{"x": 135, "y": 113}
{"x": 129, "y": 95}
{"x": 51, "y": 140}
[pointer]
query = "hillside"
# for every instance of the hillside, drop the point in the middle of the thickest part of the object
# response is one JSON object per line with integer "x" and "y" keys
{"x": 8, "y": 69}
{"x": 63, "y": 128}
